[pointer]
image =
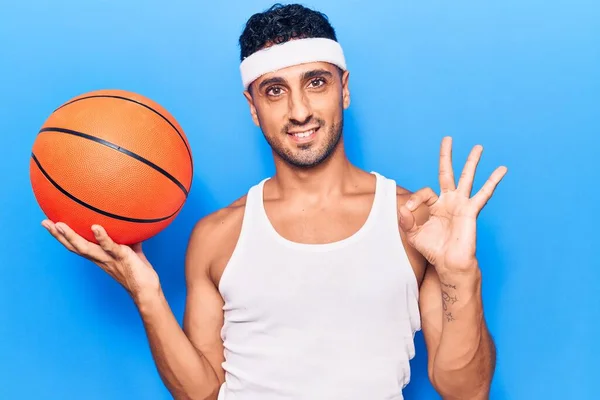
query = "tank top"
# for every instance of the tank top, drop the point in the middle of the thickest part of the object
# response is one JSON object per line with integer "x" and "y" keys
{"x": 329, "y": 321}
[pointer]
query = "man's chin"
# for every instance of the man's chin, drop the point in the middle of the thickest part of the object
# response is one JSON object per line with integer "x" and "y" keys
{"x": 306, "y": 161}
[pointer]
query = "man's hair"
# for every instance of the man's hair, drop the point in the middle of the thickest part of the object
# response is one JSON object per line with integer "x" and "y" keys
{"x": 281, "y": 23}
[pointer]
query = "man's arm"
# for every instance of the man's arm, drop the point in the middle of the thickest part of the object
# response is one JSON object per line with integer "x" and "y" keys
{"x": 189, "y": 360}
{"x": 203, "y": 317}
{"x": 444, "y": 233}
{"x": 460, "y": 350}
{"x": 183, "y": 363}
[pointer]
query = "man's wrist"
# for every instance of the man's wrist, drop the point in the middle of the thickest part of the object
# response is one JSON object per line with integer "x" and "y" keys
{"x": 464, "y": 274}
{"x": 148, "y": 298}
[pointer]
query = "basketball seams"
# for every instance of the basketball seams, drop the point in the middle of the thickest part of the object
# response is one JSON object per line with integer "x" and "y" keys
{"x": 117, "y": 148}
{"x": 187, "y": 147}
{"x": 91, "y": 207}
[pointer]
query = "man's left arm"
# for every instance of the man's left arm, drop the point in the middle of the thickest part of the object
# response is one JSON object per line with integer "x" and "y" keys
{"x": 442, "y": 229}
{"x": 461, "y": 350}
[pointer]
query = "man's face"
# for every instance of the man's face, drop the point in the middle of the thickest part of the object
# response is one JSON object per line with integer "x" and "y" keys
{"x": 300, "y": 111}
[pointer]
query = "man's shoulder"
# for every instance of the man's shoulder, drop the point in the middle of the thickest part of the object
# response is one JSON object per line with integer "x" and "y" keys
{"x": 213, "y": 239}
{"x": 402, "y": 192}
{"x": 217, "y": 225}
{"x": 403, "y": 195}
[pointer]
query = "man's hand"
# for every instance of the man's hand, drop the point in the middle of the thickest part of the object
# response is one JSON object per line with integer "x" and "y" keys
{"x": 447, "y": 240}
{"x": 127, "y": 265}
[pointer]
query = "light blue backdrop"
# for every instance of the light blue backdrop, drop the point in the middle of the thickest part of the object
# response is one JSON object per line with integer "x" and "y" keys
{"x": 520, "y": 77}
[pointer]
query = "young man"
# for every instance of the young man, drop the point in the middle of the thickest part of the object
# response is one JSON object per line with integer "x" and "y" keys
{"x": 313, "y": 284}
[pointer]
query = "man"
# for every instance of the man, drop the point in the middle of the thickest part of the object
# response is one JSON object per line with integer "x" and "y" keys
{"x": 313, "y": 284}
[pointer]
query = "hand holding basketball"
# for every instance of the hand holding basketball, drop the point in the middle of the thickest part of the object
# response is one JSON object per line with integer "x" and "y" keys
{"x": 126, "y": 264}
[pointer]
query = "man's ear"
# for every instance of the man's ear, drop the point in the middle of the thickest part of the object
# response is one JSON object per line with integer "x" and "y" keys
{"x": 345, "y": 89}
{"x": 248, "y": 97}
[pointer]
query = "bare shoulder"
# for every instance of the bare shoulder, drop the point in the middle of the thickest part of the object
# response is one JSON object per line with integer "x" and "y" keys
{"x": 418, "y": 262}
{"x": 213, "y": 240}
{"x": 212, "y": 227}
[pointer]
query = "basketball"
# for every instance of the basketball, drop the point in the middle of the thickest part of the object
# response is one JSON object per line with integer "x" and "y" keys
{"x": 112, "y": 158}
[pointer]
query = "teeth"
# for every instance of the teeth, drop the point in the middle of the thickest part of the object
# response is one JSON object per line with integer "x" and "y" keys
{"x": 304, "y": 134}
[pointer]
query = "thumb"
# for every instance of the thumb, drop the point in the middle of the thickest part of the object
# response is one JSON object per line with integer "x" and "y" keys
{"x": 417, "y": 206}
{"x": 408, "y": 222}
{"x": 137, "y": 247}
{"x": 106, "y": 242}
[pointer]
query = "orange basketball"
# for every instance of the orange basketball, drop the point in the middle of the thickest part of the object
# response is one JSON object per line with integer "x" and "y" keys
{"x": 112, "y": 158}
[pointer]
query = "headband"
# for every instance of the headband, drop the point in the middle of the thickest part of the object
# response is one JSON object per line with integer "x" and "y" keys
{"x": 292, "y": 52}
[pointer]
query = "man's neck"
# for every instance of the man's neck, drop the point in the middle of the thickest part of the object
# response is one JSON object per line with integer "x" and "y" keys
{"x": 325, "y": 180}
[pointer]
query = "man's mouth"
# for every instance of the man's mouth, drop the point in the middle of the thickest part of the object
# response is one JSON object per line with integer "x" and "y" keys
{"x": 303, "y": 136}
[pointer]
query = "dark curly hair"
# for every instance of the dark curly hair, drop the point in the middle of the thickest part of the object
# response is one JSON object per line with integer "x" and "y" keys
{"x": 281, "y": 23}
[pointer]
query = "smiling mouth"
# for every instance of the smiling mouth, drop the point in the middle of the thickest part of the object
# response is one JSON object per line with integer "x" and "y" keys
{"x": 303, "y": 136}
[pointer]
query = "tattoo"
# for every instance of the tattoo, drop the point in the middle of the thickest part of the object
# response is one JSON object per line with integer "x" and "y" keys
{"x": 448, "y": 298}
{"x": 448, "y": 286}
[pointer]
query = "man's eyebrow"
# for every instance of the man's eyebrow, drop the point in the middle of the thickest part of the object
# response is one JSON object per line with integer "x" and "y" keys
{"x": 315, "y": 73}
{"x": 270, "y": 81}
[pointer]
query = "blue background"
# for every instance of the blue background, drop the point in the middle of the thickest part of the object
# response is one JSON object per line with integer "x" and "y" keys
{"x": 520, "y": 77}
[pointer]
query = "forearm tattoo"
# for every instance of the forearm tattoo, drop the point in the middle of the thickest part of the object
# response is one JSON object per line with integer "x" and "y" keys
{"x": 448, "y": 298}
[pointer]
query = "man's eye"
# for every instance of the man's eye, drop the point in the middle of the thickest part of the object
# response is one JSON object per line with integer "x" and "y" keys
{"x": 274, "y": 91}
{"x": 317, "y": 82}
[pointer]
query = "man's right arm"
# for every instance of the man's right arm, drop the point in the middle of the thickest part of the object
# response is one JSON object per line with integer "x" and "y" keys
{"x": 185, "y": 371}
{"x": 189, "y": 359}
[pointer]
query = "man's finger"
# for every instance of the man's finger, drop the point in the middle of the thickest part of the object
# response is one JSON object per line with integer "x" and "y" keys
{"x": 487, "y": 190}
{"x": 106, "y": 243}
{"x": 81, "y": 246}
{"x": 423, "y": 196}
{"x": 51, "y": 228}
{"x": 465, "y": 183}
{"x": 408, "y": 222}
{"x": 446, "y": 174}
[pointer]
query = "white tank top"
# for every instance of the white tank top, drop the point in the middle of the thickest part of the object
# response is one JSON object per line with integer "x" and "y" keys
{"x": 319, "y": 321}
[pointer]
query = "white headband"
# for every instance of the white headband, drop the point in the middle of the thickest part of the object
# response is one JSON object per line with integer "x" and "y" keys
{"x": 292, "y": 52}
